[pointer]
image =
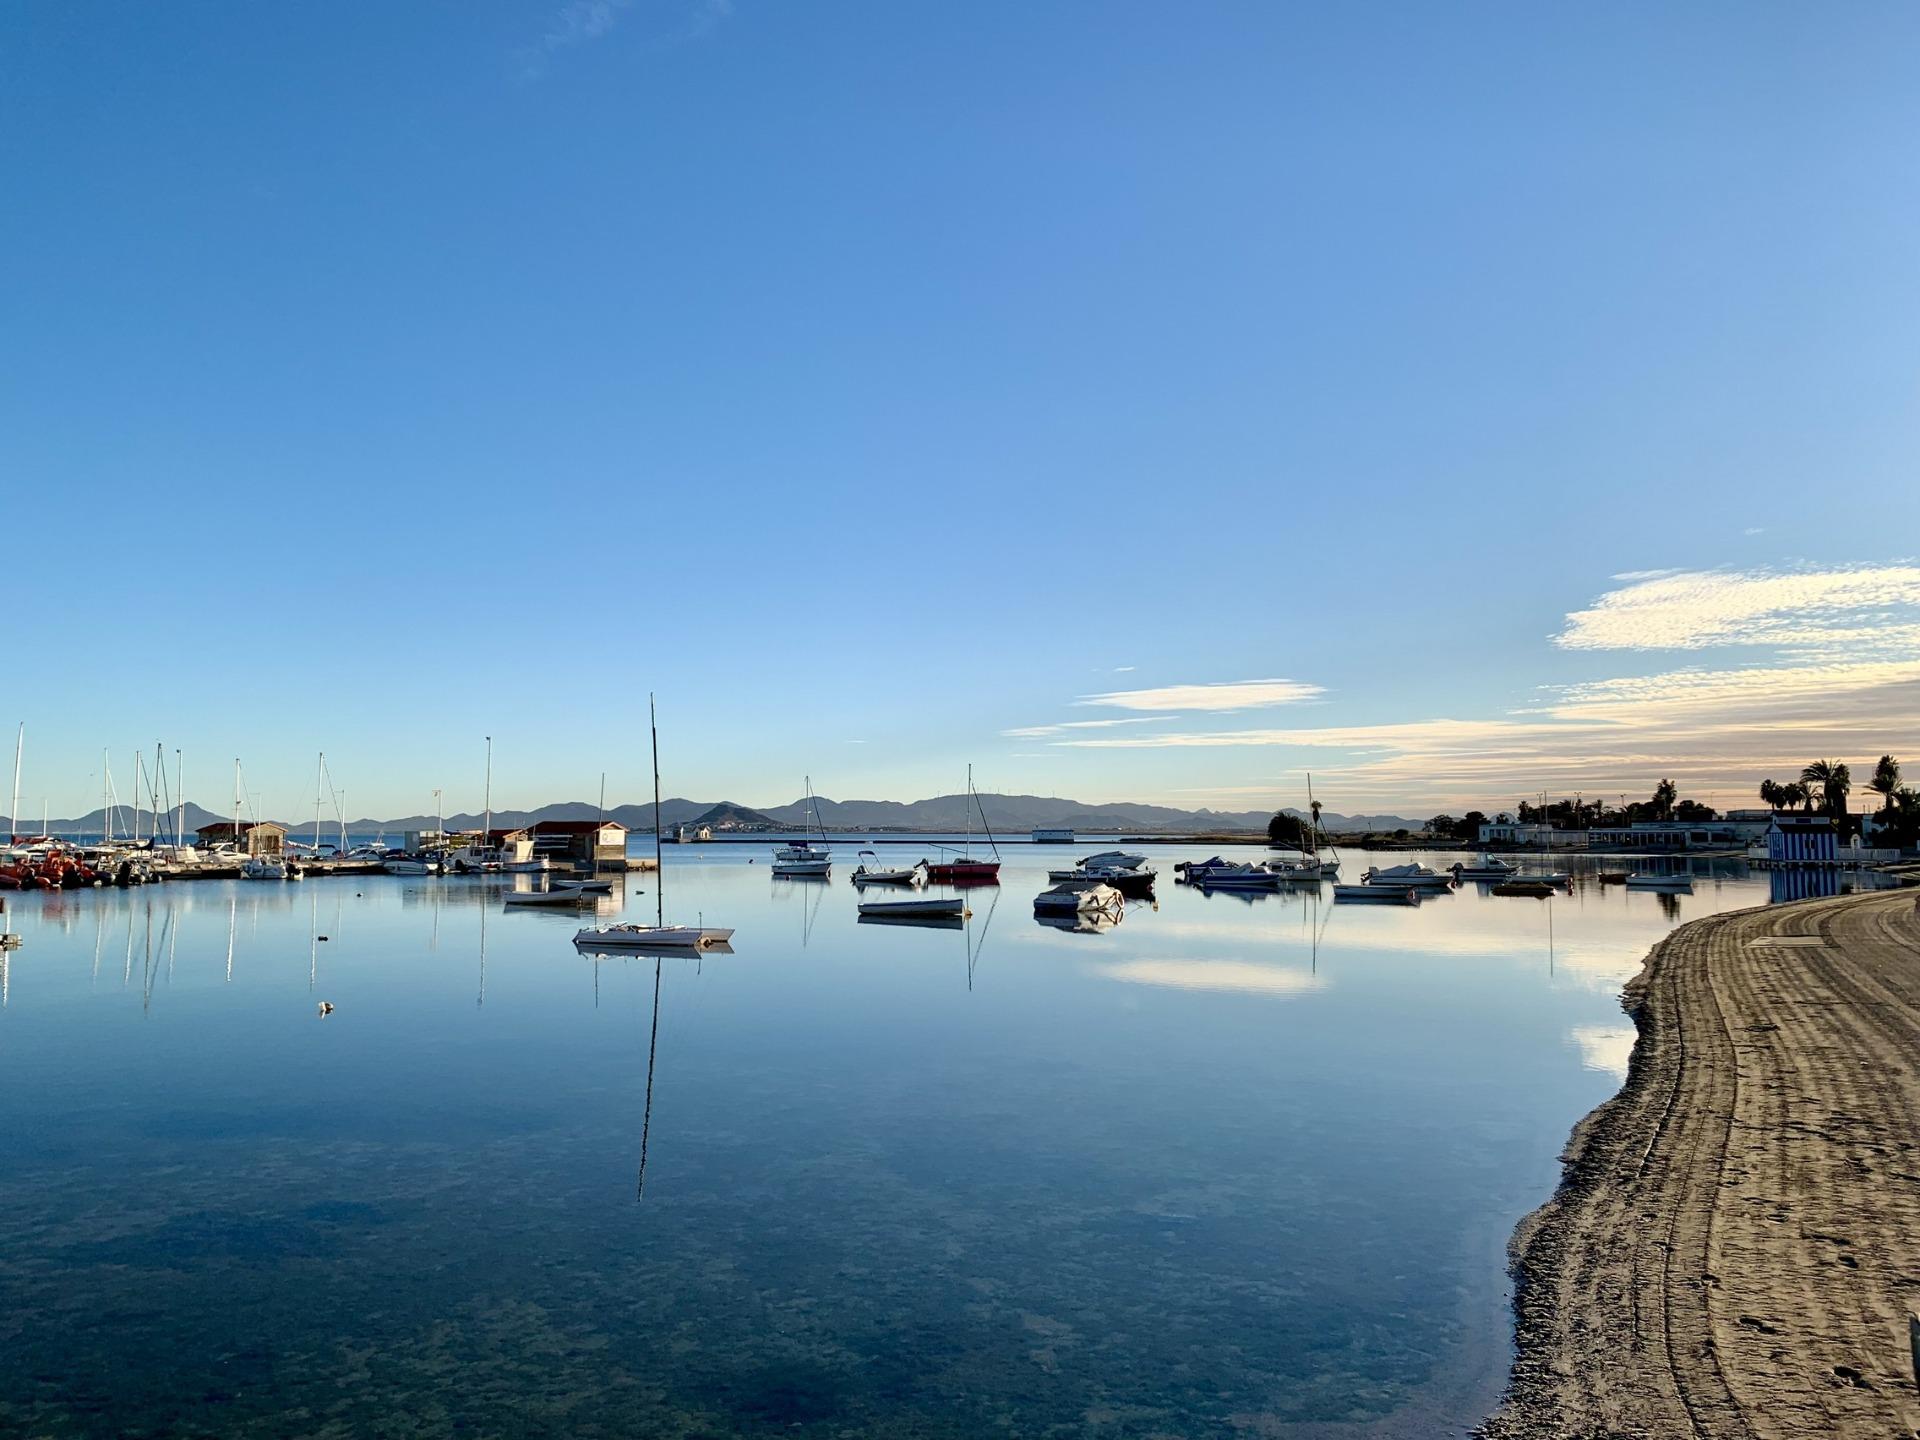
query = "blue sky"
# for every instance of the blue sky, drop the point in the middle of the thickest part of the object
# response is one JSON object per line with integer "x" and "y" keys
{"x": 873, "y": 381}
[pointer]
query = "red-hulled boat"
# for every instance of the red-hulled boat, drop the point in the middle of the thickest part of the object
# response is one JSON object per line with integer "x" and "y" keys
{"x": 964, "y": 869}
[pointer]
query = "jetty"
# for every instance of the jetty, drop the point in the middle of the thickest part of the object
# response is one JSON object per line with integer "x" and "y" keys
{"x": 1733, "y": 1249}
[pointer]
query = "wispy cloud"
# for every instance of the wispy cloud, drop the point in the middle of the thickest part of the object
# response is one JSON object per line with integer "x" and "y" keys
{"x": 581, "y": 22}
{"x": 1796, "y": 610}
{"x": 1710, "y": 730}
{"x": 1216, "y": 696}
{"x": 1035, "y": 732}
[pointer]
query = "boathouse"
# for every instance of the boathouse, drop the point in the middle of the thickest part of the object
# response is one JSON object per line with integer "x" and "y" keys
{"x": 581, "y": 842}
{"x": 1802, "y": 840}
{"x": 261, "y": 840}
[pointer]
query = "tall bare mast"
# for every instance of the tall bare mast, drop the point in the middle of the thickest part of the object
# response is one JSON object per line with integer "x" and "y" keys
{"x": 486, "y": 837}
{"x": 319, "y": 785}
{"x": 13, "y": 810}
{"x": 180, "y": 778}
{"x": 659, "y": 869}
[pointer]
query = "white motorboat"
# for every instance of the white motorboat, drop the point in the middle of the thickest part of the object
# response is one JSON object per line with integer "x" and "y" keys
{"x": 1671, "y": 884}
{"x": 1078, "y": 897}
{"x": 1408, "y": 877}
{"x": 871, "y": 872}
{"x": 261, "y": 868}
{"x": 1378, "y": 894}
{"x": 1129, "y": 874}
{"x": 1113, "y": 860}
{"x": 409, "y": 865}
{"x": 582, "y": 887}
{"x": 475, "y": 860}
{"x": 1238, "y": 877}
{"x": 1489, "y": 867}
{"x": 953, "y": 909}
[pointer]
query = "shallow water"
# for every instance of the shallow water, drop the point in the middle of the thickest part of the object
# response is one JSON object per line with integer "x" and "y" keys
{"x": 1233, "y": 1165}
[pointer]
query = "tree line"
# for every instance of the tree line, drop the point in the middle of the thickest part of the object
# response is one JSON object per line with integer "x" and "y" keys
{"x": 1823, "y": 787}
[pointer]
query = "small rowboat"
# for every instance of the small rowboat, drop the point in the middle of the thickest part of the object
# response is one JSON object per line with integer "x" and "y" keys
{"x": 544, "y": 897}
{"x": 651, "y": 937}
{"x": 1377, "y": 894}
{"x": 965, "y": 872}
{"x": 1613, "y": 877}
{"x": 953, "y": 909}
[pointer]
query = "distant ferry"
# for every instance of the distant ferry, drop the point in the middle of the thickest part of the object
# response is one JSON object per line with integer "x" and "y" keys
{"x": 1053, "y": 837}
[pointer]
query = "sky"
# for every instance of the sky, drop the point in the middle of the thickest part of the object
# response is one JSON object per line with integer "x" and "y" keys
{"x": 1134, "y": 401}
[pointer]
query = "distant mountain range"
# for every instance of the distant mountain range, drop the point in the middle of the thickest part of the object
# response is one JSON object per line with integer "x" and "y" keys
{"x": 1011, "y": 814}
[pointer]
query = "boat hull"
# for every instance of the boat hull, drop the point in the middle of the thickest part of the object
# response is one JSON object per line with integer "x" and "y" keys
{"x": 652, "y": 937}
{"x": 923, "y": 909}
{"x": 966, "y": 872}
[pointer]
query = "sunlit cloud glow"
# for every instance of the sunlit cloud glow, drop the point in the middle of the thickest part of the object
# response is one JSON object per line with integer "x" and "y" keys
{"x": 1218, "y": 696}
{"x": 1794, "y": 609}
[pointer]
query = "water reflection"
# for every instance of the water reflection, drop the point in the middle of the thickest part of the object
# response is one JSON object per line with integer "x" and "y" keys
{"x": 1227, "y": 1168}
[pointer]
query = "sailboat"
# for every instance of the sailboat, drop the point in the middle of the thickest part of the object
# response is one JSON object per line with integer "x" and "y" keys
{"x": 805, "y": 859}
{"x": 967, "y": 870}
{"x": 659, "y": 935}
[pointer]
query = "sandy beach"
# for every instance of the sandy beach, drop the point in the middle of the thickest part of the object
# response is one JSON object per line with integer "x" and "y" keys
{"x": 1735, "y": 1249}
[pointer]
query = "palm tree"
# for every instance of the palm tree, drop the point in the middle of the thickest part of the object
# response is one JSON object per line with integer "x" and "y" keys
{"x": 1886, "y": 780}
{"x": 1794, "y": 793}
{"x": 1770, "y": 794}
{"x": 1664, "y": 794}
{"x": 1832, "y": 780}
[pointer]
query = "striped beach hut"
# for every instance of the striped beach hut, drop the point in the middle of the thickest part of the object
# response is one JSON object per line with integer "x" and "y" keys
{"x": 1802, "y": 840}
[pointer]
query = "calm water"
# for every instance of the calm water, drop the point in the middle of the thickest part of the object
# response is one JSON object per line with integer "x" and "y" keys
{"x": 1230, "y": 1167}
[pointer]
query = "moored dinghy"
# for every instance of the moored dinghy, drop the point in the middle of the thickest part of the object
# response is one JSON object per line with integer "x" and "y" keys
{"x": 939, "y": 909}
{"x": 871, "y": 872}
{"x": 1377, "y": 894}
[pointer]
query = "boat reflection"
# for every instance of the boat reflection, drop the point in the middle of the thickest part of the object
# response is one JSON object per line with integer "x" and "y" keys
{"x": 915, "y": 922}
{"x": 1084, "y": 922}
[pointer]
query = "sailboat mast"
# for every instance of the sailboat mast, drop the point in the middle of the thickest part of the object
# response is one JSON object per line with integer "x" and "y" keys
{"x": 319, "y": 780}
{"x": 180, "y": 777}
{"x": 13, "y": 810}
{"x": 486, "y": 837}
{"x": 659, "y": 867}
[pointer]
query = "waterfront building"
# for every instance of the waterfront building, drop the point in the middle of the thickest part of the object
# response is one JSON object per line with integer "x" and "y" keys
{"x": 1802, "y": 840}
{"x": 262, "y": 840}
{"x": 1531, "y": 837}
{"x": 581, "y": 842}
{"x": 1053, "y": 837}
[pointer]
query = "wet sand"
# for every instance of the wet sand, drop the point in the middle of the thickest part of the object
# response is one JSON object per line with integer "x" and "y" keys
{"x": 1735, "y": 1249}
